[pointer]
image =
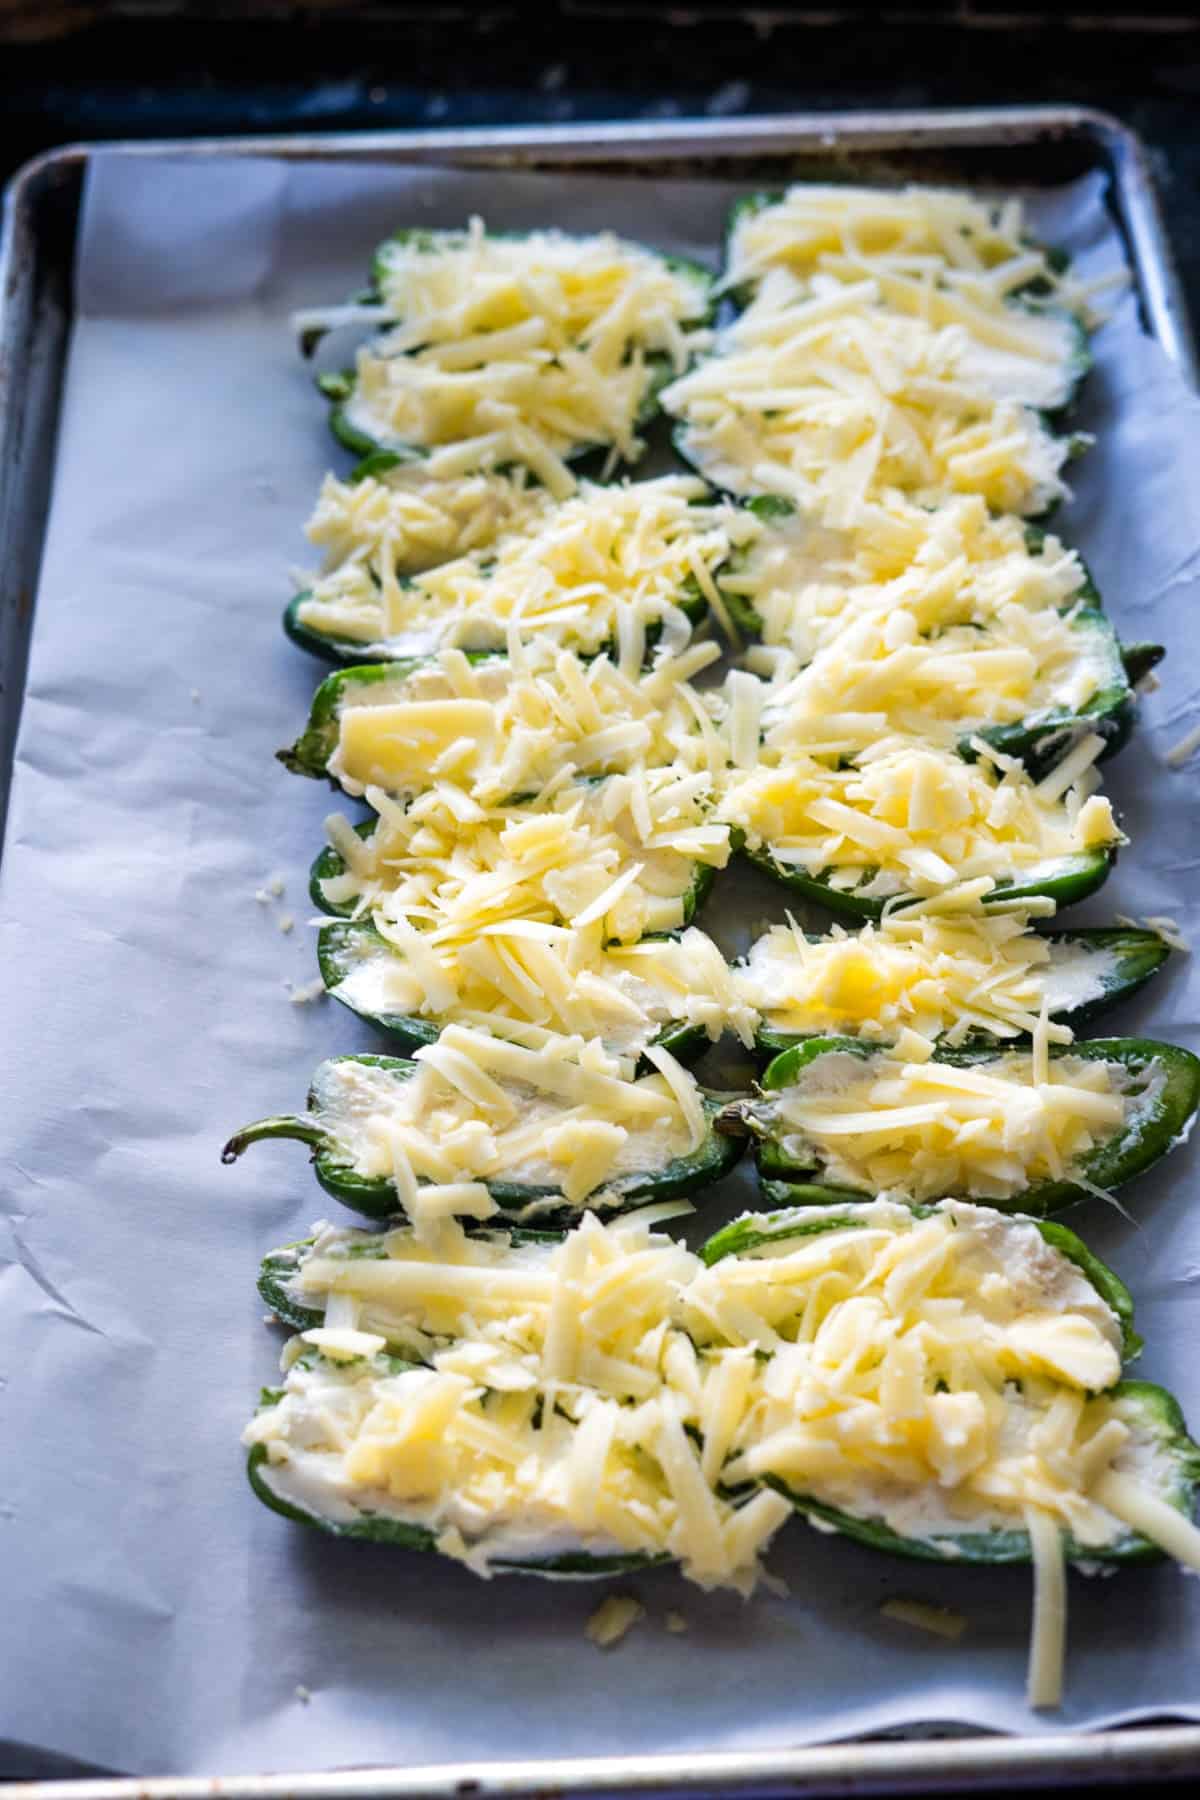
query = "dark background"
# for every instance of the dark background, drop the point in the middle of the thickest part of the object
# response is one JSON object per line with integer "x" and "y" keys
{"x": 141, "y": 68}
{"x": 72, "y": 69}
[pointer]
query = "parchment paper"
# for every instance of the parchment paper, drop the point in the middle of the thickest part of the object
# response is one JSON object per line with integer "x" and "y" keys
{"x": 156, "y": 1618}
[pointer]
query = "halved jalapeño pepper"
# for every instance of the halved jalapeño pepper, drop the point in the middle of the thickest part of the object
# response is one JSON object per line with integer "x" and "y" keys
{"x": 1047, "y": 377}
{"x": 394, "y": 1321}
{"x": 359, "y": 968}
{"x": 332, "y": 646}
{"x": 500, "y": 730}
{"x": 1157, "y": 1424}
{"x": 513, "y": 326}
{"x": 732, "y": 1387}
{"x": 1089, "y": 969}
{"x": 840, "y": 1118}
{"x": 1084, "y": 656}
{"x": 1043, "y": 739}
{"x": 620, "y": 568}
{"x": 1146, "y": 1416}
{"x": 353, "y": 431}
{"x": 358, "y": 1106}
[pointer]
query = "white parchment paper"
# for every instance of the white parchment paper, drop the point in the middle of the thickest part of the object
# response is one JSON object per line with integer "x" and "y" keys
{"x": 156, "y": 1618}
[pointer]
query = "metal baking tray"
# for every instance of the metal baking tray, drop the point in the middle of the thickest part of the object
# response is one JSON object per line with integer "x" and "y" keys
{"x": 1006, "y": 147}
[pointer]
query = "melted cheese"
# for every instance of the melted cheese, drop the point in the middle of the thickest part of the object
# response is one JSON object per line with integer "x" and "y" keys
{"x": 939, "y": 1375}
{"x": 935, "y": 974}
{"x": 547, "y": 335}
{"x": 582, "y": 573}
{"x": 922, "y": 1127}
{"x": 907, "y": 817}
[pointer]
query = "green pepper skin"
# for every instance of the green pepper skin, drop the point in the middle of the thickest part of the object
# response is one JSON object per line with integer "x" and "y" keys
{"x": 329, "y": 864}
{"x": 1079, "y": 876}
{"x": 1140, "y": 955}
{"x": 375, "y": 1196}
{"x": 685, "y": 1042}
{"x": 1161, "y": 1125}
{"x": 770, "y": 509}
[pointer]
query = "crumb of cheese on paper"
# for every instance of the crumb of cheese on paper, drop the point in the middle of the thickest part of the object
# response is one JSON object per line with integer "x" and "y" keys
{"x": 612, "y": 1619}
{"x": 940, "y": 1621}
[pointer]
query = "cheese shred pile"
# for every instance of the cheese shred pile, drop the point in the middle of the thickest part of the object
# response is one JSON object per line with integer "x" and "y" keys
{"x": 555, "y": 340}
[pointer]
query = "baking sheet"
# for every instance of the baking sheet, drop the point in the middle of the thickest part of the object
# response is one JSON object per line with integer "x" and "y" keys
{"x": 167, "y": 1623}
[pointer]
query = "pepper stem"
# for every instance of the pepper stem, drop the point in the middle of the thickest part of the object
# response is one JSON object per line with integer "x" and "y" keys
{"x": 1139, "y": 659}
{"x": 296, "y": 760}
{"x": 283, "y": 1125}
{"x": 735, "y": 1120}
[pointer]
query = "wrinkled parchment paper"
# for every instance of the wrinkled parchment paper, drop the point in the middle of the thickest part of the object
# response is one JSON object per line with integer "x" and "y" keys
{"x": 157, "y": 1619}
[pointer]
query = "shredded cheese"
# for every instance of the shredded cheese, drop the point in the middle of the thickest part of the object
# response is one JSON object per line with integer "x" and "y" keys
{"x": 499, "y": 729}
{"x": 938, "y": 1621}
{"x": 555, "y": 337}
{"x": 905, "y": 817}
{"x": 942, "y": 975}
{"x": 924, "y": 1127}
{"x": 819, "y": 393}
{"x": 572, "y": 572}
{"x": 613, "y": 1619}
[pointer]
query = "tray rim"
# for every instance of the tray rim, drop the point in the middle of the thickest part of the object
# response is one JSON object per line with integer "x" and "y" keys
{"x": 1134, "y": 188}
{"x": 893, "y": 1765}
